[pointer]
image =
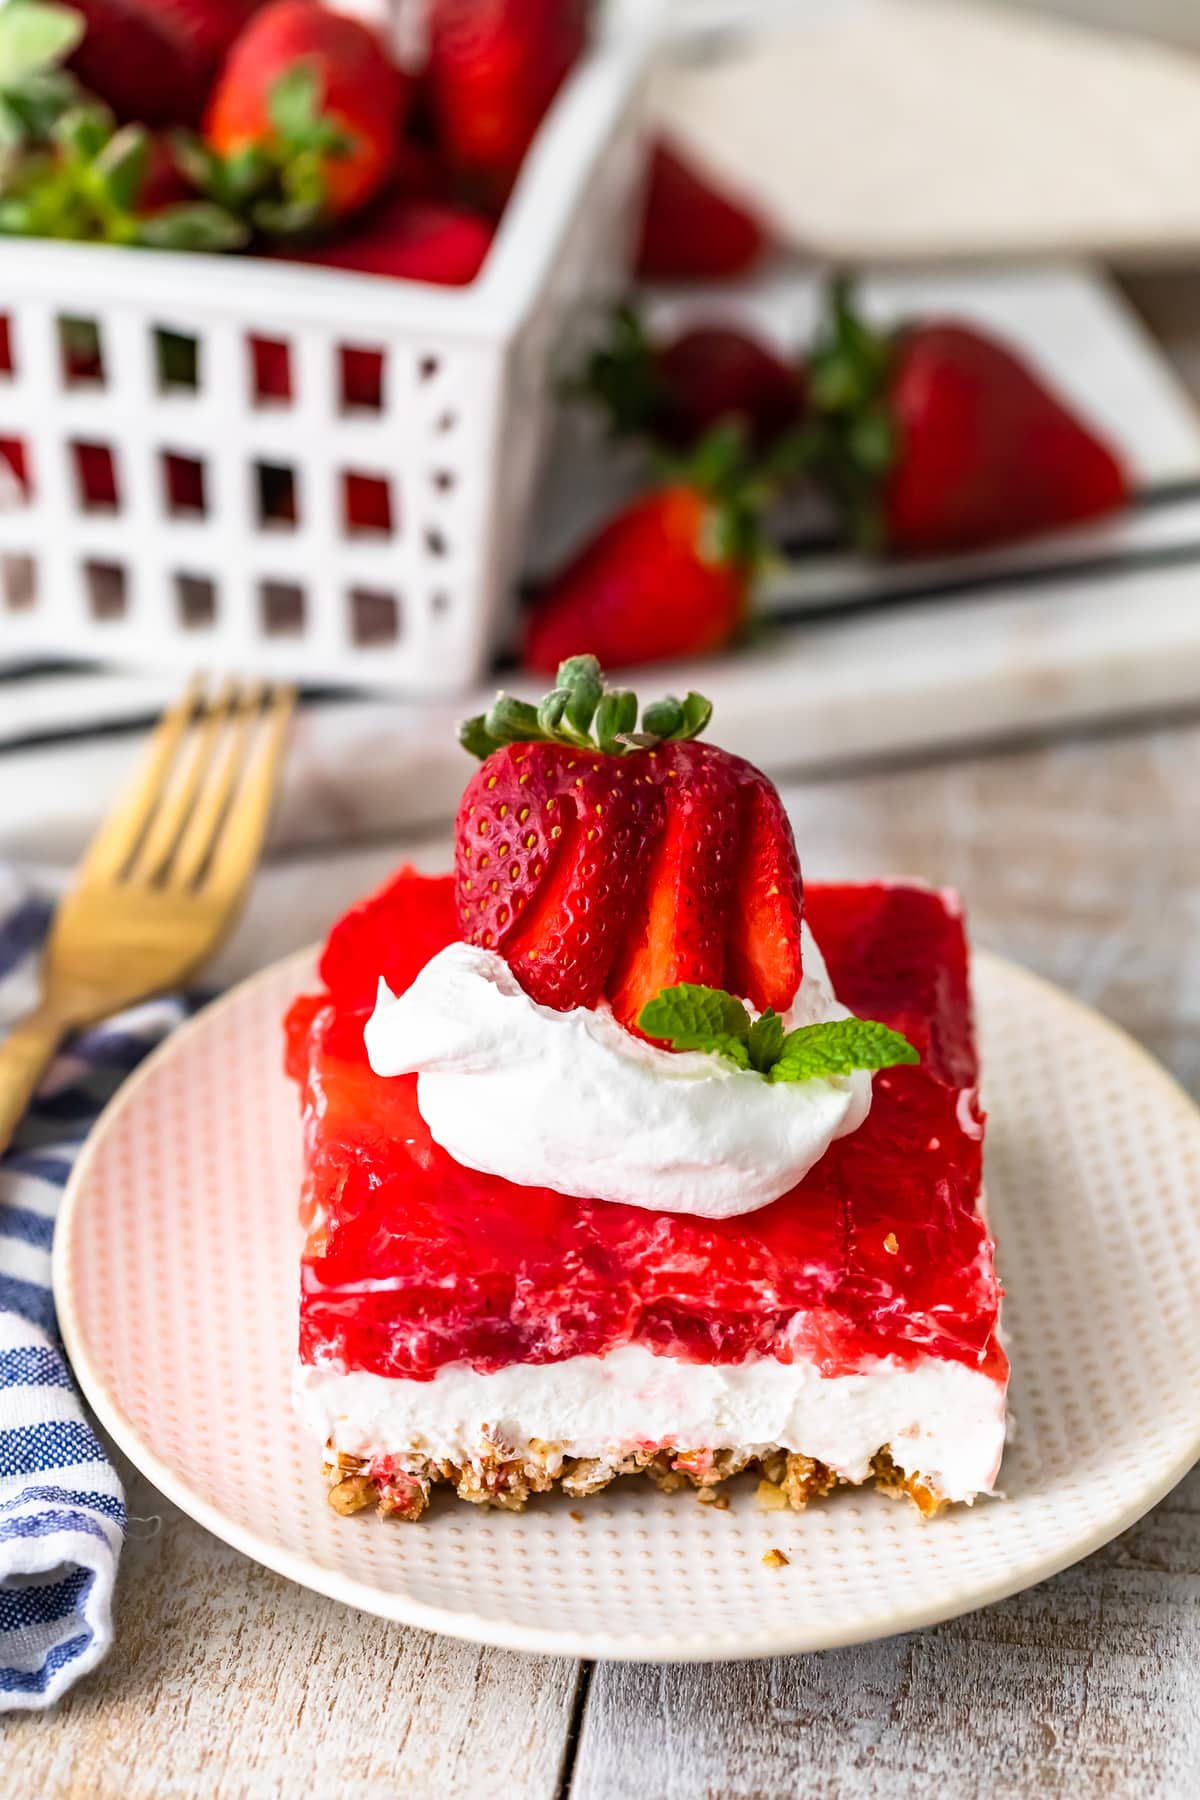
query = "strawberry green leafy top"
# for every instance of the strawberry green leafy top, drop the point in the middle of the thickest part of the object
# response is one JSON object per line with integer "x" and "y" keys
{"x": 689, "y": 1017}
{"x": 582, "y": 711}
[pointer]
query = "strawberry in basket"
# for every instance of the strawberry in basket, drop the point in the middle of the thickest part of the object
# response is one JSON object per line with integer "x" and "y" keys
{"x": 412, "y": 240}
{"x": 154, "y": 60}
{"x": 303, "y": 125}
{"x": 494, "y": 68}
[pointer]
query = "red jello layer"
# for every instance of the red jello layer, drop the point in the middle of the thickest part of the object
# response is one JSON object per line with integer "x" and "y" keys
{"x": 414, "y": 1262}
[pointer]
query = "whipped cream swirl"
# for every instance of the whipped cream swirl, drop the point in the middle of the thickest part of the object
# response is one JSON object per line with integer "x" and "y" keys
{"x": 572, "y": 1101}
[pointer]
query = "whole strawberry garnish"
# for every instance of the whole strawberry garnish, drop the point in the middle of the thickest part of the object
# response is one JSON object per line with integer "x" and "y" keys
{"x": 410, "y": 240}
{"x": 691, "y": 231}
{"x": 603, "y": 860}
{"x": 494, "y": 67}
{"x": 670, "y": 575}
{"x": 302, "y": 126}
{"x": 937, "y": 437}
{"x": 675, "y": 391}
{"x": 154, "y": 60}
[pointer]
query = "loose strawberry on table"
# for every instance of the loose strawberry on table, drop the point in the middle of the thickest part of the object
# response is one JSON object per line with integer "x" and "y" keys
{"x": 674, "y": 391}
{"x": 600, "y": 859}
{"x": 937, "y": 437}
{"x": 670, "y": 575}
{"x": 691, "y": 229}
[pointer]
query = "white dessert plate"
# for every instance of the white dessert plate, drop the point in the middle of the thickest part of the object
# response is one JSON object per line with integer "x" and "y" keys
{"x": 176, "y": 1279}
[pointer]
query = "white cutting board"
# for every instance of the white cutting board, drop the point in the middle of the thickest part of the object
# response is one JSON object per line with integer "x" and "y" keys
{"x": 1078, "y": 642}
{"x": 902, "y": 130}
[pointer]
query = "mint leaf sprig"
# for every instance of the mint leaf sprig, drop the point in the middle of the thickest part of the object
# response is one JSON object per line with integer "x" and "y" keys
{"x": 691, "y": 1017}
{"x": 583, "y": 712}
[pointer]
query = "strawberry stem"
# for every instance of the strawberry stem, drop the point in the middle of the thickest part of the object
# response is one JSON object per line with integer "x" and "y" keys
{"x": 583, "y": 712}
{"x": 849, "y": 442}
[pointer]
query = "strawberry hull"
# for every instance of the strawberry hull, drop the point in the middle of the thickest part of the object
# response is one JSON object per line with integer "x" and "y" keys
{"x": 416, "y": 1265}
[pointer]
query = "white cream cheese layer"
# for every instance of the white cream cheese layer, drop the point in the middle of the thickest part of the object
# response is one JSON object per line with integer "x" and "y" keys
{"x": 572, "y": 1101}
{"x": 941, "y": 1420}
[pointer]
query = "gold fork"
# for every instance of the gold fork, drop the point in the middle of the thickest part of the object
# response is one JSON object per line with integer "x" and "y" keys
{"x": 164, "y": 878}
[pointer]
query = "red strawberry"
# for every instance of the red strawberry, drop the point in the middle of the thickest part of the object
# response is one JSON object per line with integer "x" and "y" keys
{"x": 550, "y": 842}
{"x": 602, "y": 861}
{"x": 691, "y": 231}
{"x": 763, "y": 945}
{"x": 154, "y": 60}
{"x": 13, "y": 452}
{"x": 494, "y": 68}
{"x": 315, "y": 94}
{"x": 411, "y": 240}
{"x": 676, "y": 392}
{"x": 678, "y": 932}
{"x": 669, "y": 576}
{"x": 938, "y": 437}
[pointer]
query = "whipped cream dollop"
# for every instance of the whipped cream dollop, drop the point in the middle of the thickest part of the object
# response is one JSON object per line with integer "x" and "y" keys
{"x": 572, "y": 1101}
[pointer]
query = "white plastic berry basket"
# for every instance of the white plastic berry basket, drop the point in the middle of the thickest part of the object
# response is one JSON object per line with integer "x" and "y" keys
{"x": 260, "y": 569}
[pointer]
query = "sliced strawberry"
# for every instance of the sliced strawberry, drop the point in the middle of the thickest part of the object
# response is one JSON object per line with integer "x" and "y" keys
{"x": 763, "y": 963}
{"x": 603, "y": 860}
{"x": 551, "y": 843}
{"x": 680, "y": 931}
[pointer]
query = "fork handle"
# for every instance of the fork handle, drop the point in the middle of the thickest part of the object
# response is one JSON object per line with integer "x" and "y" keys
{"x": 25, "y": 1053}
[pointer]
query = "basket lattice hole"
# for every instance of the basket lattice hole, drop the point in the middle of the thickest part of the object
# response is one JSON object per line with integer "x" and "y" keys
{"x": 445, "y": 422}
{"x": 427, "y": 367}
{"x": 435, "y": 541}
{"x": 275, "y": 496}
{"x": 106, "y": 590}
{"x": 95, "y": 477}
{"x": 195, "y": 601}
{"x": 281, "y": 605}
{"x": 270, "y": 372}
{"x": 185, "y": 487}
{"x": 18, "y": 582}
{"x": 374, "y": 616}
{"x": 16, "y": 482}
{"x": 176, "y": 361}
{"x": 7, "y": 365}
{"x": 367, "y": 503}
{"x": 81, "y": 351}
{"x": 439, "y": 603}
{"x": 361, "y": 377}
{"x": 443, "y": 480}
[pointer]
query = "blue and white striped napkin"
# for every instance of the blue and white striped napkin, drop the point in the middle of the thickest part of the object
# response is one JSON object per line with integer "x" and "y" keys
{"x": 62, "y": 1512}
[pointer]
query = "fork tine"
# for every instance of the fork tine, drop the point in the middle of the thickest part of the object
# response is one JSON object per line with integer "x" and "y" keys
{"x": 196, "y": 844}
{"x": 179, "y": 791}
{"x": 240, "y": 835}
{"x": 118, "y": 837}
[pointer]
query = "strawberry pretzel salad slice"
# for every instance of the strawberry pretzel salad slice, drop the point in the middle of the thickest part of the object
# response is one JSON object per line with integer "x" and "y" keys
{"x": 625, "y": 1154}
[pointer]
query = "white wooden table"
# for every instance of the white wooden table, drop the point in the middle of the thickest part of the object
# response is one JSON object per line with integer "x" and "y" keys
{"x": 1079, "y": 857}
